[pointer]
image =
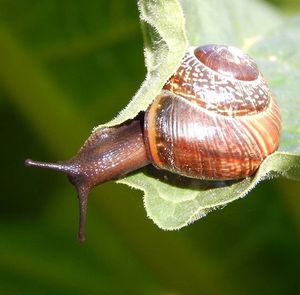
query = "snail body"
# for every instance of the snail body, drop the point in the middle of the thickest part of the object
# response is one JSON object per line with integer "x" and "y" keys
{"x": 214, "y": 119}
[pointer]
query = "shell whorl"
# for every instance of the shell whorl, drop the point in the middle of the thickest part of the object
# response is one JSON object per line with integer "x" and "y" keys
{"x": 228, "y": 61}
{"x": 211, "y": 123}
{"x": 222, "y": 79}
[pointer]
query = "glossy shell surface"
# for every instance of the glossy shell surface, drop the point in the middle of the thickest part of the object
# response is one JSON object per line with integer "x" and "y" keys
{"x": 215, "y": 118}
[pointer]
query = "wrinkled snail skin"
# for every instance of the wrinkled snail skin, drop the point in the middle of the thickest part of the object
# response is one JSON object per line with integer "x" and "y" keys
{"x": 214, "y": 119}
{"x": 107, "y": 154}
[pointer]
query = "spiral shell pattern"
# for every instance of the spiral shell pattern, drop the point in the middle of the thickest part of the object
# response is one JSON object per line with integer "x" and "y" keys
{"x": 215, "y": 118}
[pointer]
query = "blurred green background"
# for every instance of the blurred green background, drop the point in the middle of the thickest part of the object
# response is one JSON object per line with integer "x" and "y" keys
{"x": 65, "y": 67}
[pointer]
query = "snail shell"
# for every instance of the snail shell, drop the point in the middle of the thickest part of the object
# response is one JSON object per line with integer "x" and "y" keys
{"x": 215, "y": 118}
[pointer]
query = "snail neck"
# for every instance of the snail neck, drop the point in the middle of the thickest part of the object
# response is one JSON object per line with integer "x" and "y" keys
{"x": 108, "y": 154}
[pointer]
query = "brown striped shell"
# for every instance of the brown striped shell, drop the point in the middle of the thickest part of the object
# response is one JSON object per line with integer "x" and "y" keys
{"x": 215, "y": 117}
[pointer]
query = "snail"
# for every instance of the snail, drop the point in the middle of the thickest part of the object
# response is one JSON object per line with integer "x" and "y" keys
{"x": 214, "y": 119}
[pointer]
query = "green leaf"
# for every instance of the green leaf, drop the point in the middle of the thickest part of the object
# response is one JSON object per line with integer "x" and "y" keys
{"x": 278, "y": 56}
{"x": 234, "y": 22}
{"x": 174, "y": 206}
{"x": 165, "y": 45}
{"x": 173, "y": 201}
